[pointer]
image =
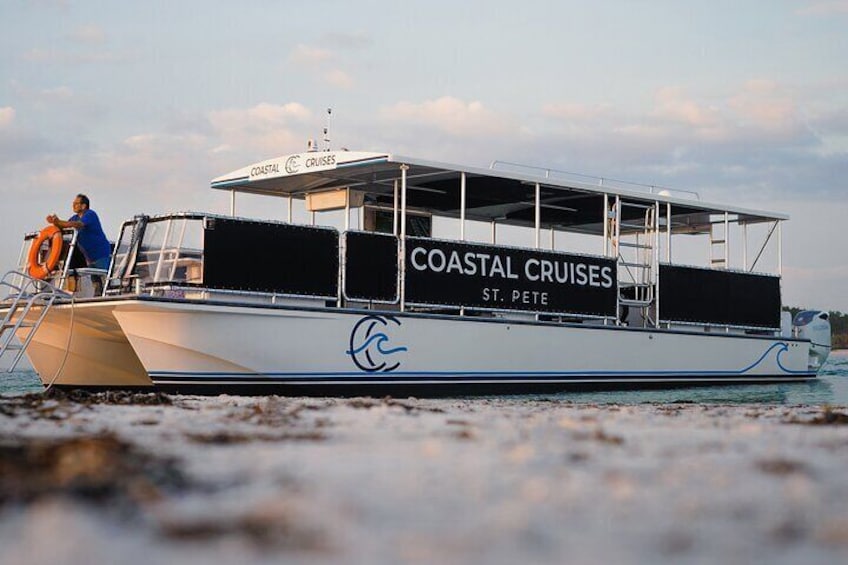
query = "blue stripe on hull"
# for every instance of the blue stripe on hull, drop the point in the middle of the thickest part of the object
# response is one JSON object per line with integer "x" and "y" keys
{"x": 440, "y": 386}
{"x": 453, "y": 378}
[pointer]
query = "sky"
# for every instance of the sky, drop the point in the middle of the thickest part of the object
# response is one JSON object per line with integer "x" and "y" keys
{"x": 140, "y": 104}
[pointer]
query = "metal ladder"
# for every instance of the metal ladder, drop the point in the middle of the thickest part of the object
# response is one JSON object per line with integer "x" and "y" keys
{"x": 637, "y": 270}
{"x": 24, "y": 293}
{"x": 718, "y": 243}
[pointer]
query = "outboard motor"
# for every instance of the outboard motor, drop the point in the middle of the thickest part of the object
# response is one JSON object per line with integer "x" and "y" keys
{"x": 815, "y": 326}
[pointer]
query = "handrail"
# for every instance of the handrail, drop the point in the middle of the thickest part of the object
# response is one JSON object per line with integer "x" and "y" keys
{"x": 27, "y": 286}
{"x": 547, "y": 172}
{"x": 18, "y": 303}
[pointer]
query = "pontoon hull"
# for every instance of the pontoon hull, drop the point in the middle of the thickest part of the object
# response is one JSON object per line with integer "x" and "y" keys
{"x": 195, "y": 347}
{"x": 98, "y": 353}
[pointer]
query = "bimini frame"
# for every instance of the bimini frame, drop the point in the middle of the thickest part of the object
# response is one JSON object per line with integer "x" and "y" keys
{"x": 634, "y": 223}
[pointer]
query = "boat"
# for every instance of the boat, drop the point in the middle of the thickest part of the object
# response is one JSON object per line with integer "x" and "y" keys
{"x": 415, "y": 277}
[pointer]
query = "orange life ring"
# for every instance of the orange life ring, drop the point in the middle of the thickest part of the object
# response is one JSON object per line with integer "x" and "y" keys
{"x": 39, "y": 270}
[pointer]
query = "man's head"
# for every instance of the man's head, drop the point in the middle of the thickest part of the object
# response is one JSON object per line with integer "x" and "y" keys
{"x": 80, "y": 204}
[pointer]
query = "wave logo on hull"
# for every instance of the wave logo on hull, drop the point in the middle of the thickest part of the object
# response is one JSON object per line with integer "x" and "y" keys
{"x": 370, "y": 346}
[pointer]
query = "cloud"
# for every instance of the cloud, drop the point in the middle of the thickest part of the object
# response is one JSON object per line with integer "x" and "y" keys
{"x": 40, "y": 95}
{"x": 155, "y": 144}
{"x": 69, "y": 113}
{"x": 449, "y": 115}
{"x": 61, "y": 57}
{"x": 575, "y": 112}
{"x": 306, "y": 55}
{"x": 680, "y": 130}
{"x": 348, "y": 40}
{"x": 62, "y": 4}
{"x": 7, "y": 116}
{"x": 339, "y": 79}
{"x": 831, "y": 128}
{"x": 319, "y": 63}
{"x": 754, "y": 139}
{"x": 267, "y": 129}
{"x": 172, "y": 165}
{"x": 671, "y": 105}
{"x": 68, "y": 178}
{"x": 764, "y": 105}
{"x": 261, "y": 115}
{"x": 831, "y": 120}
{"x": 760, "y": 110}
{"x": 89, "y": 34}
{"x": 824, "y": 8}
{"x": 20, "y": 147}
{"x": 157, "y": 161}
{"x": 57, "y": 93}
{"x": 235, "y": 136}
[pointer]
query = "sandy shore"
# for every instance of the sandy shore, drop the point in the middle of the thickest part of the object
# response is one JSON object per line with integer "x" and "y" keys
{"x": 156, "y": 479}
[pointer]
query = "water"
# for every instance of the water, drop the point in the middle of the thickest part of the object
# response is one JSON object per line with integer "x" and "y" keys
{"x": 830, "y": 388}
{"x": 19, "y": 382}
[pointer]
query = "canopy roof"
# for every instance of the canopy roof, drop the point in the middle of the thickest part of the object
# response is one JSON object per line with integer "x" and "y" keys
{"x": 495, "y": 194}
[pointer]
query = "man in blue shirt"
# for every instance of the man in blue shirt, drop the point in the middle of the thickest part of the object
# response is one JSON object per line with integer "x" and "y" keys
{"x": 90, "y": 237}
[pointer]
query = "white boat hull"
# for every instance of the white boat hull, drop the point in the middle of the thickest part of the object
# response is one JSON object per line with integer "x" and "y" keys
{"x": 82, "y": 345}
{"x": 208, "y": 347}
{"x": 186, "y": 308}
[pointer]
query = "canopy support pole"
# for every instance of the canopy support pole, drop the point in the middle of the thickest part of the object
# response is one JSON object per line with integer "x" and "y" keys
{"x": 402, "y": 255}
{"x": 606, "y": 225}
{"x": 462, "y": 206}
{"x": 538, "y": 206}
{"x": 395, "y": 210}
{"x": 668, "y": 232}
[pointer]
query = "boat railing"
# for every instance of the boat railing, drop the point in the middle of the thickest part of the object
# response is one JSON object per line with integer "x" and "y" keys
{"x": 606, "y": 182}
{"x": 217, "y": 258}
{"x": 26, "y": 303}
{"x": 63, "y": 276}
{"x": 157, "y": 250}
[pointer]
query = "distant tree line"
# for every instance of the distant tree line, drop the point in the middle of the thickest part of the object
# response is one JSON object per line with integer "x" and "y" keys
{"x": 838, "y": 327}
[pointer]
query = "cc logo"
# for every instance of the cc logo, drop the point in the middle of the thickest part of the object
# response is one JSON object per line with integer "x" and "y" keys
{"x": 370, "y": 347}
{"x": 292, "y": 164}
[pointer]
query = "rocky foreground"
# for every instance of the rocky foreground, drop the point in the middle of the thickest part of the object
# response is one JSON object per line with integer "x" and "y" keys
{"x": 147, "y": 479}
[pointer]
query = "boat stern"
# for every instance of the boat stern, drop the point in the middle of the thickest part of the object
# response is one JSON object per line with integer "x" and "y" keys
{"x": 815, "y": 326}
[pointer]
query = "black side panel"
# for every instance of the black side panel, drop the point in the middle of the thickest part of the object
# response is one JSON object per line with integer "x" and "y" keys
{"x": 688, "y": 294}
{"x": 448, "y": 273}
{"x": 264, "y": 257}
{"x": 371, "y": 266}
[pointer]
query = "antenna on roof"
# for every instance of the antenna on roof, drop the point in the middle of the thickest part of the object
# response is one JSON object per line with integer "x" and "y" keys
{"x": 327, "y": 130}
